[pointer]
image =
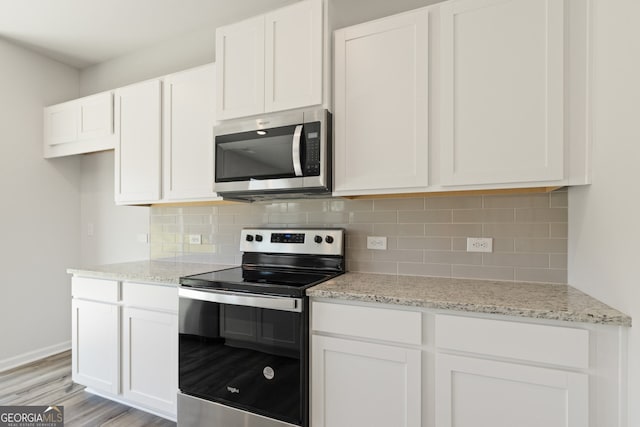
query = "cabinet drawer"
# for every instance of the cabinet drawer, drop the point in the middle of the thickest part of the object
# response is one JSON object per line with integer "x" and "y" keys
{"x": 144, "y": 295}
{"x": 537, "y": 343}
{"x": 368, "y": 322}
{"x": 95, "y": 289}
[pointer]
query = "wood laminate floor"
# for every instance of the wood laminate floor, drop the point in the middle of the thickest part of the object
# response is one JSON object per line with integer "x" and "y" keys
{"x": 48, "y": 382}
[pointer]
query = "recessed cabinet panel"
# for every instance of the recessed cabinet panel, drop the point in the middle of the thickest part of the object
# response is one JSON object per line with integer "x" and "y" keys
{"x": 293, "y": 60}
{"x": 240, "y": 58}
{"x": 189, "y": 118}
{"x": 150, "y": 358}
{"x": 362, "y": 384}
{"x": 381, "y": 105}
{"x": 475, "y": 392}
{"x": 62, "y": 124}
{"x": 96, "y": 345}
{"x": 502, "y": 70}
{"x": 138, "y": 135}
{"x": 96, "y": 116}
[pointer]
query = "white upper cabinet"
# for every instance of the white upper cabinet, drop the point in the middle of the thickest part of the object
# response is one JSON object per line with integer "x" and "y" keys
{"x": 80, "y": 126}
{"x": 272, "y": 62}
{"x": 138, "y": 138}
{"x": 240, "y": 59}
{"x": 381, "y": 105}
{"x": 502, "y": 105}
{"x": 188, "y": 120}
{"x": 293, "y": 56}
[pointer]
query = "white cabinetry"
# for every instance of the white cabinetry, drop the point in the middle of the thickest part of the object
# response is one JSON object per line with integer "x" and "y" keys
{"x": 463, "y": 95}
{"x": 95, "y": 339}
{"x": 138, "y": 138}
{"x": 80, "y": 126}
{"x": 125, "y": 342}
{"x": 472, "y": 390}
{"x": 365, "y": 383}
{"x": 150, "y": 346}
{"x": 378, "y": 365}
{"x": 476, "y": 392}
{"x": 502, "y": 70}
{"x": 188, "y": 145}
{"x": 240, "y": 59}
{"x": 271, "y": 62}
{"x": 381, "y": 105}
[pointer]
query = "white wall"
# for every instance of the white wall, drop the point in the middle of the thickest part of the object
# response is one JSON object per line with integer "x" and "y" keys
{"x": 604, "y": 224}
{"x": 40, "y": 214}
{"x": 114, "y": 228}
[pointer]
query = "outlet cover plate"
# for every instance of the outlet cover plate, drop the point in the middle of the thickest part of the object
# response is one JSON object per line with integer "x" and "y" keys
{"x": 195, "y": 239}
{"x": 377, "y": 242}
{"x": 479, "y": 244}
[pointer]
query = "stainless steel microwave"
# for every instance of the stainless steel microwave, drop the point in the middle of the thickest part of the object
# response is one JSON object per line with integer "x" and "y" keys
{"x": 285, "y": 155}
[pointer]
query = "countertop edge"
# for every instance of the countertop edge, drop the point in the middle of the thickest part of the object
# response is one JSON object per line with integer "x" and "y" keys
{"x": 593, "y": 312}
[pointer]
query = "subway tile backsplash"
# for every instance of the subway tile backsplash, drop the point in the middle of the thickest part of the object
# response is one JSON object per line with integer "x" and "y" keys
{"x": 425, "y": 236}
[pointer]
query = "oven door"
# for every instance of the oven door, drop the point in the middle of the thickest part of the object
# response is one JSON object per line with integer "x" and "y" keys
{"x": 245, "y": 351}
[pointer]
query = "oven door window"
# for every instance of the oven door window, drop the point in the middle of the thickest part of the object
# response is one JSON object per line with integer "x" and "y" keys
{"x": 245, "y": 357}
{"x": 249, "y": 155}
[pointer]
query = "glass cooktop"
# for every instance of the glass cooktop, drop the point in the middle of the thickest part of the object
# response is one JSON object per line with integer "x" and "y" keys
{"x": 258, "y": 280}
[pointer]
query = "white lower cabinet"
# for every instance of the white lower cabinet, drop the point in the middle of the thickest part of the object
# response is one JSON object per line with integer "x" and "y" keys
{"x": 363, "y": 384}
{"x": 96, "y": 345}
{"x": 150, "y": 358}
{"x": 383, "y": 365}
{"x": 369, "y": 376}
{"x": 473, "y": 392}
{"x": 125, "y": 342}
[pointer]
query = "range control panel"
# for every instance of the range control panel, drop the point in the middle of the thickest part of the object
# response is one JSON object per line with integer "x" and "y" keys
{"x": 316, "y": 241}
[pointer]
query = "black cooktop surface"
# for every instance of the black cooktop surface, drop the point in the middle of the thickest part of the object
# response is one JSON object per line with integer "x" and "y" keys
{"x": 271, "y": 281}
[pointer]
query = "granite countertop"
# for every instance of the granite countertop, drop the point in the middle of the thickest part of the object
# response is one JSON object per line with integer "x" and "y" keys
{"x": 534, "y": 300}
{"x": 157, "y": 271}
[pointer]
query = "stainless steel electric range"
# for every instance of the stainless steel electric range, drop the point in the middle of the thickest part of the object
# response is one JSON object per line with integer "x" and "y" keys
{"x": 244, "y": 343}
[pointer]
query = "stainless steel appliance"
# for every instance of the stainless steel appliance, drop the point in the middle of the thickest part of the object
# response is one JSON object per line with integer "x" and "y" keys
{"x": 283, "y": 155}
{"x": 243, "y": 343}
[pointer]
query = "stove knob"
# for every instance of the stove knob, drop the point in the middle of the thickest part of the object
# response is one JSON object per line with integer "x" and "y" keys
{"x": 317, "y": 239}
{"x": 249, "y": 238}
{"x": 328, "y": 239}
{"x": 258, "y": 238}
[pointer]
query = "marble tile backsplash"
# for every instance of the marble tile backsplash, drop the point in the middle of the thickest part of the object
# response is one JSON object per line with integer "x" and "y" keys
{"x": 425, "y": 236}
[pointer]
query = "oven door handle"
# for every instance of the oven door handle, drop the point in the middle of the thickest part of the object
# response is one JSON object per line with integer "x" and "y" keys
{"x": 249, "y": 300}
{"x": 295, "y": 150}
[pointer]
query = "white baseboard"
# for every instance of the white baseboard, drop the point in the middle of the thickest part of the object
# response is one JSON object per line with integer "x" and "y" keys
{"x": 32, "y": 356}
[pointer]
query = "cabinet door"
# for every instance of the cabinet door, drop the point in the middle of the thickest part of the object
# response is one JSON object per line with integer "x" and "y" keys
{"x": 96, "y": 116}
{"x": 502, "y": 91}
{"x": 477, "y": 392}
{"x": 95, "y": 345}
{"x": 61, "y": 124}
{"x": 381, "y": 81}
{"x": 240, "y": 59}
{"x": 150, "y": 358}
{"x": 293, "y": 56}
{"x": 361, "y": 384}
{"x": 189, "y": 117}
{"x": 138, "y": 137}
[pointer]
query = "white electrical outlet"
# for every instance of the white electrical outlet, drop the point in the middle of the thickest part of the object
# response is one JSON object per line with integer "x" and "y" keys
{"x": 195, "y": 239}
{"x": 142, "y": 238}
{"x": 479, "y": 244}
{"x": 377, "y": 242}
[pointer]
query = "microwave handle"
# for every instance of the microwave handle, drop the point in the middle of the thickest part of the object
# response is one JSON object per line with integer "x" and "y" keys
{"x": 295, "y": 150}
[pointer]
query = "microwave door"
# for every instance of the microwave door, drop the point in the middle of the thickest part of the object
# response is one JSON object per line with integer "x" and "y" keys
{"x": 295, "y": 150}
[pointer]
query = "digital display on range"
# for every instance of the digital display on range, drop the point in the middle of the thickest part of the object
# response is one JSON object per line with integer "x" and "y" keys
{"x": 287, "y": 237}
